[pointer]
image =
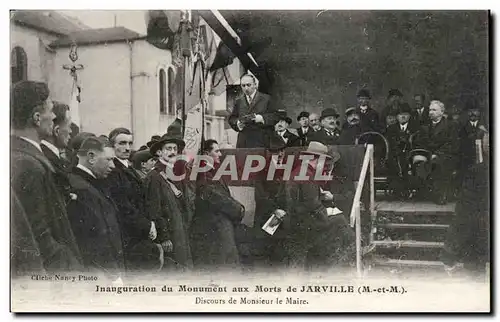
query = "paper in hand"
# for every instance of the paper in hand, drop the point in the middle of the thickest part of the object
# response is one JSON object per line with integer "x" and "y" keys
{"x": 267, "y": 226}
{"x": 333, "y": 211}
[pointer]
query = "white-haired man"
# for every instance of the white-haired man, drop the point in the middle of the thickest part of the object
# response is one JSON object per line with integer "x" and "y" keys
{"x": 439, "y": 137}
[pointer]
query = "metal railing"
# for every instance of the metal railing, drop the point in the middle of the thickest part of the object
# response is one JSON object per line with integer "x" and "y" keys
{"x": 355, "y": 218}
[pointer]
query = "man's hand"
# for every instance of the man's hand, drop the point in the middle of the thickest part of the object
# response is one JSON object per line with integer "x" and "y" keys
{"x": 482, "y": 128}
{"x": 327, "y": 195}
{"x": 240, "y": 125}
{"x": 279, "y": 214}
{"x": 259, "y": 119}
{"x": 168, "y": 247}
{"x": 434, "y": 157}
{"x": 152, "y": 231}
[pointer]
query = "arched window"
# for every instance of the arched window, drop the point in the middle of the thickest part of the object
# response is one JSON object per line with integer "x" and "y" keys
{"x": 163, "y": 91}
{"x": 18, "y": 65}
{"x": 171, "y": 90}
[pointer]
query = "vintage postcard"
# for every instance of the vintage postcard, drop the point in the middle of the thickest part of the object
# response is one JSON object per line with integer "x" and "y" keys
{"x": 249, "y": 161}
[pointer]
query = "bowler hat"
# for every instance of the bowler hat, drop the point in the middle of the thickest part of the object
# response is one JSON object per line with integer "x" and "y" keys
{"x": 141, "y": 156}
{"x": 286, "y": 118}
{"x": 395, "y": 92}
{"x": 303, "y": 114}
{"x": 154, "y": 138}
{"x": 404, "y": 108}
{"x": 282, "y": 115}
{"x": 364, "y": 93}
{"x": 329, "y": 111}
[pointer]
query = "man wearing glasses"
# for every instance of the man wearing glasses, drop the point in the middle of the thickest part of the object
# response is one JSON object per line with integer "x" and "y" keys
{"x": 253, "y": 115}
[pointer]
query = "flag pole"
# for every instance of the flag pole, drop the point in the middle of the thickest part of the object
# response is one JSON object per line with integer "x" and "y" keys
{"x": 186, "y": 54}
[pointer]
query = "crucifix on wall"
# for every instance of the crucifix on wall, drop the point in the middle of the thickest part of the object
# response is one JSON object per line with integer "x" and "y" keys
{"x": 75, "y": 98}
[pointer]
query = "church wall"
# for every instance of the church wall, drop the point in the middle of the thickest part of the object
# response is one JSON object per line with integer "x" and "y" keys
{"x": 105, "y": 83}
{"x": 32, "y": 41}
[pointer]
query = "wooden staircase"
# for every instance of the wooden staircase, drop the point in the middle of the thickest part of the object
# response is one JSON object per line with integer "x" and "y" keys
{"x": 407, "y": 234}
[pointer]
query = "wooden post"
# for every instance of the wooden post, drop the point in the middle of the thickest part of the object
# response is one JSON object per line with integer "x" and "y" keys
{"x": 359, "y": 264}
{"x": 479, "y": 151}
{"x": 372, "y": 193}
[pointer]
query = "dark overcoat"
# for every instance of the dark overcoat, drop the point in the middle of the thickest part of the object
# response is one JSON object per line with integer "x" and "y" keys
{"x": 440, "y": 139}
{"x": 399, "y": 146}
{"x": 312, "y": 234}
{"x": 349, "y": 134}
{"x": 420, "y": 119}
{"x": 169, "y": 214}
{"x": 127, "y": 191}
{"x": 32, "y": 180}
{"x": 62, "y": 168}
{"x": 93, "y": 216}
{"x": 25, "y": 254}
{"x": 370, "y": 120}
{"x": 468, "y": 135}
{"x": 255, "y": 135}
{"x": 323, "y": 137}
{"x": 212, "y": 231}
{"x": 304, "y": 137}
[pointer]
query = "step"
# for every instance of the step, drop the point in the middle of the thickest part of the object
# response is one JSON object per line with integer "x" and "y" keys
{"x": 412, "y": 234}
{"x": 429, "y": 254}
{"x": 408, "y": 262}
{"x": 414, "y": 208}
{"x": 408, "y": 243}
{"x": 383, "y": 218}
{"x": 413, "y": 226}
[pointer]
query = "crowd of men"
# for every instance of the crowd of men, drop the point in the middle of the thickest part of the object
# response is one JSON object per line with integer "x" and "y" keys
{"x": 423, "y": 150}
{"x": 88, "y": 202}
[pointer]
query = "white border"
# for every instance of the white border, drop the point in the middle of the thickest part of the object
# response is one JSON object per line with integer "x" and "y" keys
{"x": 129, "y": 4}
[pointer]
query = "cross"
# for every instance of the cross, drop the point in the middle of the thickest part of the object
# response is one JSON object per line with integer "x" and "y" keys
{"x": 73, "y": 68}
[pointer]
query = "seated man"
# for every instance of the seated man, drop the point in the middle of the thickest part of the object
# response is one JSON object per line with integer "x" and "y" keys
{"x": 440, "y": 139}
{"x": 304, "y": 130}
{"x": 329, "y": 133}
{"x": 283, "y": 133}
{"x": 316, "y": 235}
{"x": 352, "y": 128}
{"x": 398, "y": 136}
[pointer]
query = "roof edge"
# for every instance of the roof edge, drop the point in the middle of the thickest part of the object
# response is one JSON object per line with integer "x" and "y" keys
{"x": 32, "y": 26}
{"x": 95, "y": 43}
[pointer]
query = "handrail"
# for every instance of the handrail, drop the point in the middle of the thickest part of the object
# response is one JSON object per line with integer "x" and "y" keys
{"x": 356, "y": 211}
{"x": 386, "y": 143}
{"x": 362, "y": 176}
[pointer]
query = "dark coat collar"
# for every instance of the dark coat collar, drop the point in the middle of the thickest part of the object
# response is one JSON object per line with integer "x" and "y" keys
{"x": 20, "y": 145}
{"x": 86, "y": 176}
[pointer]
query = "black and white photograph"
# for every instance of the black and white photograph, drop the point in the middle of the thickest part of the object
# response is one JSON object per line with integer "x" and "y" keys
{"x": 297, "y": 161}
